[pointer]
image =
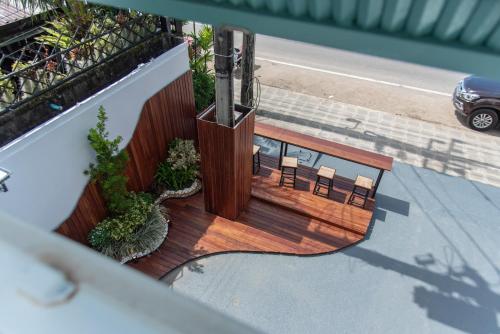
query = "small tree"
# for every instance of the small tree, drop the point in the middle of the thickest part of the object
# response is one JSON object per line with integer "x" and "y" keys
{"x": 109, "y": 171}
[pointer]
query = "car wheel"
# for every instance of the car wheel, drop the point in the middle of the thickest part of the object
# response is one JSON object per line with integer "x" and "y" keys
{"x": 483, "y": 119}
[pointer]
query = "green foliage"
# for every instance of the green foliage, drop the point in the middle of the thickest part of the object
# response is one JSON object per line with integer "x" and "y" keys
{"x": 110, "y": 167}
{"x": 122, "y": 228}
{"x": 147, "y": 237}
{"x": 204, "y": 89}
{"x": 79, "y": 13}
{"x": 19, "y": 65}
{"x": 180, "y": 169}
{"x": 131, "y": 226}
{"x": 7, "y": 89}
{"x": 7, "y": 95}
{"x": 200, "y": 54}
{"x": 59, "y": 36}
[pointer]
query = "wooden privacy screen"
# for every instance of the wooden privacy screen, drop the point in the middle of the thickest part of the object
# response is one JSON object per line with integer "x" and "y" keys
{"x": 168, "y": 114}
{"x": 226, "y": 162}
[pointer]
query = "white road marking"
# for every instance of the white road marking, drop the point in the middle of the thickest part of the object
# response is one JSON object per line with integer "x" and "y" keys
{"x": 354, "y": 76}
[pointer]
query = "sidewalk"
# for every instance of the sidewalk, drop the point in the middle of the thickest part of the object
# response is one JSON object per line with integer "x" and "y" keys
{"x": 457, "y": 152}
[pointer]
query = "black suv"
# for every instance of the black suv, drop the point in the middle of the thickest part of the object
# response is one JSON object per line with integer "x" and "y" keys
{"x": 478, "y": 99}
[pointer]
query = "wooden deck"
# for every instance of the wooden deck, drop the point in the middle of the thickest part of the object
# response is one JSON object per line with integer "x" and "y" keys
{"x": 333, "y": 210}
{"x": 277, "y": 220}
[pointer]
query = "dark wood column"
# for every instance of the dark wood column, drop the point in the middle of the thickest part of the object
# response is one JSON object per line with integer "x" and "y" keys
{"x": 226, "y": 161}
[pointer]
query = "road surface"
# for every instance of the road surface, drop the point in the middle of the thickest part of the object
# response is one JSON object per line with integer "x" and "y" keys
{"x": 392, "y": 86}
{"x": 361, "y": 80}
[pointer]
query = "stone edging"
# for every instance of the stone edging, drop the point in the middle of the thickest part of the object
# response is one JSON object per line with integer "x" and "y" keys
{"x": 193, "y": 189}
{"x": 186, "y": 192}
{"x": 156, "y": 246}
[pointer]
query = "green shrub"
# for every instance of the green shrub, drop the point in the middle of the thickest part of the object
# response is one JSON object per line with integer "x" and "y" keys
{"x": 204, "y": 89}
{"x": 147, "y": 237}
{"x": 135, "y": 224}
{"x": 181, "y": 167}
{"x": 122, "y": 228}
{"x": 109, "y": 171}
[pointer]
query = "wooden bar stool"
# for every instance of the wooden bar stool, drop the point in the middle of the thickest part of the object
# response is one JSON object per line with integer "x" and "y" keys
{"x": 362, "y": 187}
{"x": 289, "y": 167}
{"x": 256, "y": 159}
{"x": 324, "y": 178}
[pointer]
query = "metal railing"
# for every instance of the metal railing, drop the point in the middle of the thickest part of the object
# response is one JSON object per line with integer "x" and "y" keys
{"x": 62, "y": 52}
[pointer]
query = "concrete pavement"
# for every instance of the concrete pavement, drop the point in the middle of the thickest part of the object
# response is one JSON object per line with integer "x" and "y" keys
{"x": 430, "y": 265}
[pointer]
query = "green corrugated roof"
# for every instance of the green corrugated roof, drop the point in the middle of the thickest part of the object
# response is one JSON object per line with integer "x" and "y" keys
{"x": 460, "y": 35}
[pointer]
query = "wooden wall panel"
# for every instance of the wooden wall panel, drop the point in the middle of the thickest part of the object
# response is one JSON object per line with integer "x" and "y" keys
{"x": 90, "y": 210}
{"x": 168, "y": 114}
{"x": 243, "y": 138}
{"x": 226, "y": 164}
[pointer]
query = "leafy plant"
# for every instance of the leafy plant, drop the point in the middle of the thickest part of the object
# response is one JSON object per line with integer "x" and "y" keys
{"x": 200, "y": 54}
{"x": 132, "y": 226}
{"x": 59, "y": 35}
{"x": 201, "y": 48}
{"x": 7, "y": 94}
{"x": 147, "y": 237}
{"x": 204, "y": 89}
{"x": 110, "y": 167}
{"x": 180, "y": 169}
{"x": 122, "y": 228}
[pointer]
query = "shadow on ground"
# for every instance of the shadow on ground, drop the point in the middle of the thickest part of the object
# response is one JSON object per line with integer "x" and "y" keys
{"x": 475, "y": 306}
{"x": 449, "y": 161}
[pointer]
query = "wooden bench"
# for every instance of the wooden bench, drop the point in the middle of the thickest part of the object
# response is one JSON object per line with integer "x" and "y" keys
{"x": 327, "y": 147}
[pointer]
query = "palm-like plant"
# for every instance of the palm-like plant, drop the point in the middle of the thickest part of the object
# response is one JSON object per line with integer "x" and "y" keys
{"x": 58, "y": 35}
{"x": 74, "y": 10}
{"x": 200, "y": 54}
{"x": 201, "y": 46}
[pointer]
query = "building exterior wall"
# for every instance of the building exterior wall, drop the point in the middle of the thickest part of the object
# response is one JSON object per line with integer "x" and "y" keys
{"x": 47, "y": 163}
{"x": 167, "y": 115}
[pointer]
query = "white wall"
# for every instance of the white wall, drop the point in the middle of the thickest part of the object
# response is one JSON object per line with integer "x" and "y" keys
{"x": 47, "y": 163}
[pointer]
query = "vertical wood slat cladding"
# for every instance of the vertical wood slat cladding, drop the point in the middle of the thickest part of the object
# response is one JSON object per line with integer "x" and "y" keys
{"x": 90, "y": 210}
{"x": 244, "y": 160}
{"x": 168, "y": 114}
{"x": 226, "y": 164}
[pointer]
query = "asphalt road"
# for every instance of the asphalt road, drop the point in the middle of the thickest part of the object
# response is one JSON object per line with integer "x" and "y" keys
{"x": 397, "y": 87}
{"x": 356, "y": 64}
{"x": 381, "y": 84}
{"x": 351, "y": 63}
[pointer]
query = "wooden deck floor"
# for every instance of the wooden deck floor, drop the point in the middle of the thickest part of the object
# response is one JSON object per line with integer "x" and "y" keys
{"x": 291, "y": 221}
